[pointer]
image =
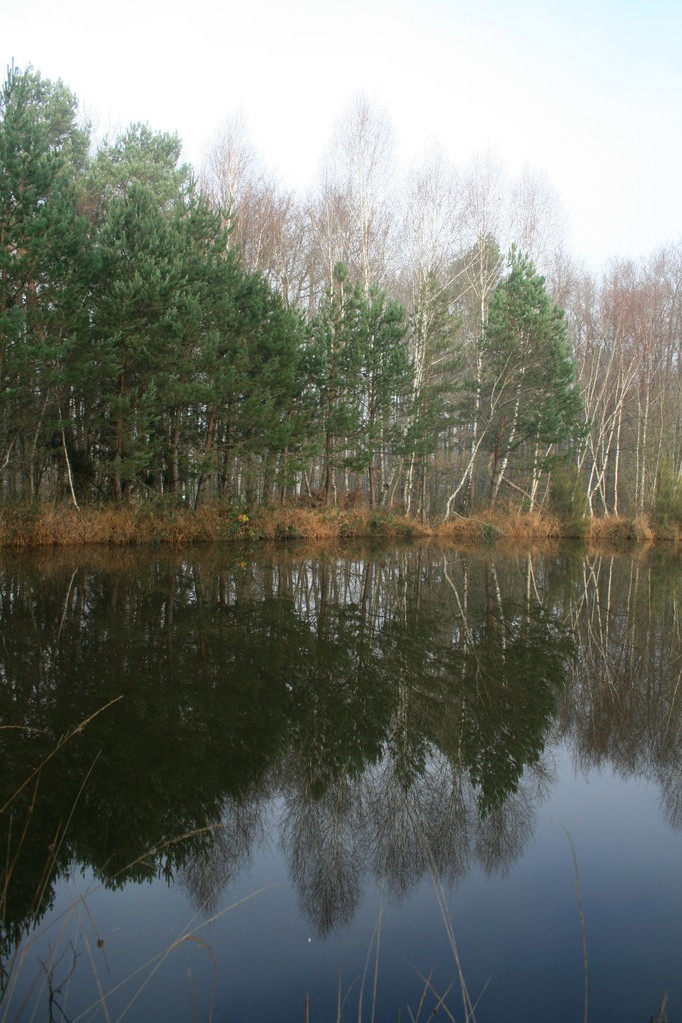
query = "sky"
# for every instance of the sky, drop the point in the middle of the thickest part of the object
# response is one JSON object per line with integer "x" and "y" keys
{"x": 587, "y": 93}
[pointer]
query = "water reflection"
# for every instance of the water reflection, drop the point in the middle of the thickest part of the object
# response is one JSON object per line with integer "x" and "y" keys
{"x": 393, "y": 709}
{"x": 625, "y": 701}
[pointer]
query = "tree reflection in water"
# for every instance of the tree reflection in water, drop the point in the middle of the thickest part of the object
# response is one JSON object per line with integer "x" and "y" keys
{"x": 390, "y": 709}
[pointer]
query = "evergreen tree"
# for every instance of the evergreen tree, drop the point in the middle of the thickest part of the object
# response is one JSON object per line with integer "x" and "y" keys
{"x": 192, "y": 319}
{"x": 360, "y": 373}
{"x": 335, "y": 362}
{"x": 437, "y": 382}
{"x": 42, "y": 237}
{"x": 139, "y": 156}
{"x": 133, "y": 297}
{"x": 530, "y": 395}
{"x": 384, "y": 383}
{"x": 258, "y": 410}
{"x": 153, "y": 302}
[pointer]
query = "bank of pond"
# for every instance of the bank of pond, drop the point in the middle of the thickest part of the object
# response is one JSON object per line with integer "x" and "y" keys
{"x": 177, "y": 524}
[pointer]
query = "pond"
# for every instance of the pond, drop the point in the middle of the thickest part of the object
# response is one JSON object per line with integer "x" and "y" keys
{"x": 293, "y": 785}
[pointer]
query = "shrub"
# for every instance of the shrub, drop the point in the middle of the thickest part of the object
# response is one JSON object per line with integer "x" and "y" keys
{"x": 668, "y": 502}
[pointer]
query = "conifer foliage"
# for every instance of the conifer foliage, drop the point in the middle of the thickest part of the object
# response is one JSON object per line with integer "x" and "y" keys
{"x": 532, "y": 401}
{"x": 141, "y": 356}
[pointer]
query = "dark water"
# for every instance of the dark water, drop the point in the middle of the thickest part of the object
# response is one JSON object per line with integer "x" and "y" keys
{"x": 231, "y": 782}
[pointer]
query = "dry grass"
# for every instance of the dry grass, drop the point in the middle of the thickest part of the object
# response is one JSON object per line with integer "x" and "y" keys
{"x": 124, "y": 525}
{"x": 320, "y": 524}
{"x": 615, "y": 531}
{"x": 49, "y": 526}
{"x": 118, "y": 525}
{"x": 508, "y": 524}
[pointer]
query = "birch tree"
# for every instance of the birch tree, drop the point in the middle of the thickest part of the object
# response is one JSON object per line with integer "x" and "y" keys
{"x": 483, "y": 193}
{"x": 265, "y": 221}
{"x": 351, "y": 215}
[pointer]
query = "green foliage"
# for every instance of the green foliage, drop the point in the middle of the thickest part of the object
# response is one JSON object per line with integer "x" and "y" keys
{"x": 138, "y": 356}
{"x": 435, "y": 334}
{"x": 668, "y": 506}
{"x": 567, "y": 492}
{"x": 360, "y": 373}
{"x": 384, "y": 378}
{"x": 131, "y": 338}
{"x": 334, "y": 357}
{"x": 531, "y": 395}
{"x": 139, "y": 156}
{"x": 42, "y": 239}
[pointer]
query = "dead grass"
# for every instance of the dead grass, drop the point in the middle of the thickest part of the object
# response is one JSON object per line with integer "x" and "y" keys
{"x": 617, "y": 532}
{"x": 48, "y": 526}
{"x": 118, "y": 525}
{"x": 336, "y": 524}
{"x": 492, "y": 526}
{"x": 124, "y": 525}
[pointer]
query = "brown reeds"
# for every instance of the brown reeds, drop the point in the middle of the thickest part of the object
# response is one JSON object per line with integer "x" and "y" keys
{"x": 118, "y": 525}
{"x": 336, "y": 524}
{"x": 617, "y": 532}
{"x": 145, "y": 524}
{"x": 495, "y": 525}
{"x": 161, "y": 523}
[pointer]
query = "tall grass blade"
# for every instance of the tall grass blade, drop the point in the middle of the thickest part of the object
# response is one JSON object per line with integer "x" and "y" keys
{"x": 583, "y": 932}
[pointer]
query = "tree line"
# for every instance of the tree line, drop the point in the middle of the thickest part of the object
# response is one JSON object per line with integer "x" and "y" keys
{"x": 422, "y": 342}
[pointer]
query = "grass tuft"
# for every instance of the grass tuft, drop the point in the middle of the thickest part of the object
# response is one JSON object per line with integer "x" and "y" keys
{"x": 614, "y": 531}
{"x": 501, "y": 524}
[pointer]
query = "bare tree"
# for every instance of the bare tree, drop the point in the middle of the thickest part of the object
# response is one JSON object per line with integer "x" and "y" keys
{"x": 266, "y": 222}
{"x": 351, "y": 214}
{"x": 625, "y": 332}
{"x": 537, "y": 219}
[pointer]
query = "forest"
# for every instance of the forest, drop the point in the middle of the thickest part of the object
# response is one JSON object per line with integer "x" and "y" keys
{"x": 420, "y": 341}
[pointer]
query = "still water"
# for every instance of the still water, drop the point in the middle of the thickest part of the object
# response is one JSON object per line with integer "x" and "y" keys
{"x": 357, "y": 785}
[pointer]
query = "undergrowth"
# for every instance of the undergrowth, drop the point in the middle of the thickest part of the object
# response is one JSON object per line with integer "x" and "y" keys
{"x": 158, "y": 522}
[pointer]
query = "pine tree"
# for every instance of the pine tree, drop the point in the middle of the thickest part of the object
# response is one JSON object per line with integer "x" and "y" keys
{"x": 530, "y": 393}
{"x": 335, "y": 360}
{"x": 384, "y": 384}
{"x": 258, "y": 411}
{"x": 437, "y": 381}
{"x": 153, "y": 244}
{"x": 42, "y": 239}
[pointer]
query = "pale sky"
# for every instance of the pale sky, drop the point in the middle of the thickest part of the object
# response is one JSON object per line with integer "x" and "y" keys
{"x": 588, "y": 92}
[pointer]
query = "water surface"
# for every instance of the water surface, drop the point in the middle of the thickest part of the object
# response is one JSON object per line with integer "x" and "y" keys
{"x": 231, "y": 782}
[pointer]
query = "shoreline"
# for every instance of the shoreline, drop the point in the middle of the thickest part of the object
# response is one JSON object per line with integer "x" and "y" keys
{"x": 42, "y": 526}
